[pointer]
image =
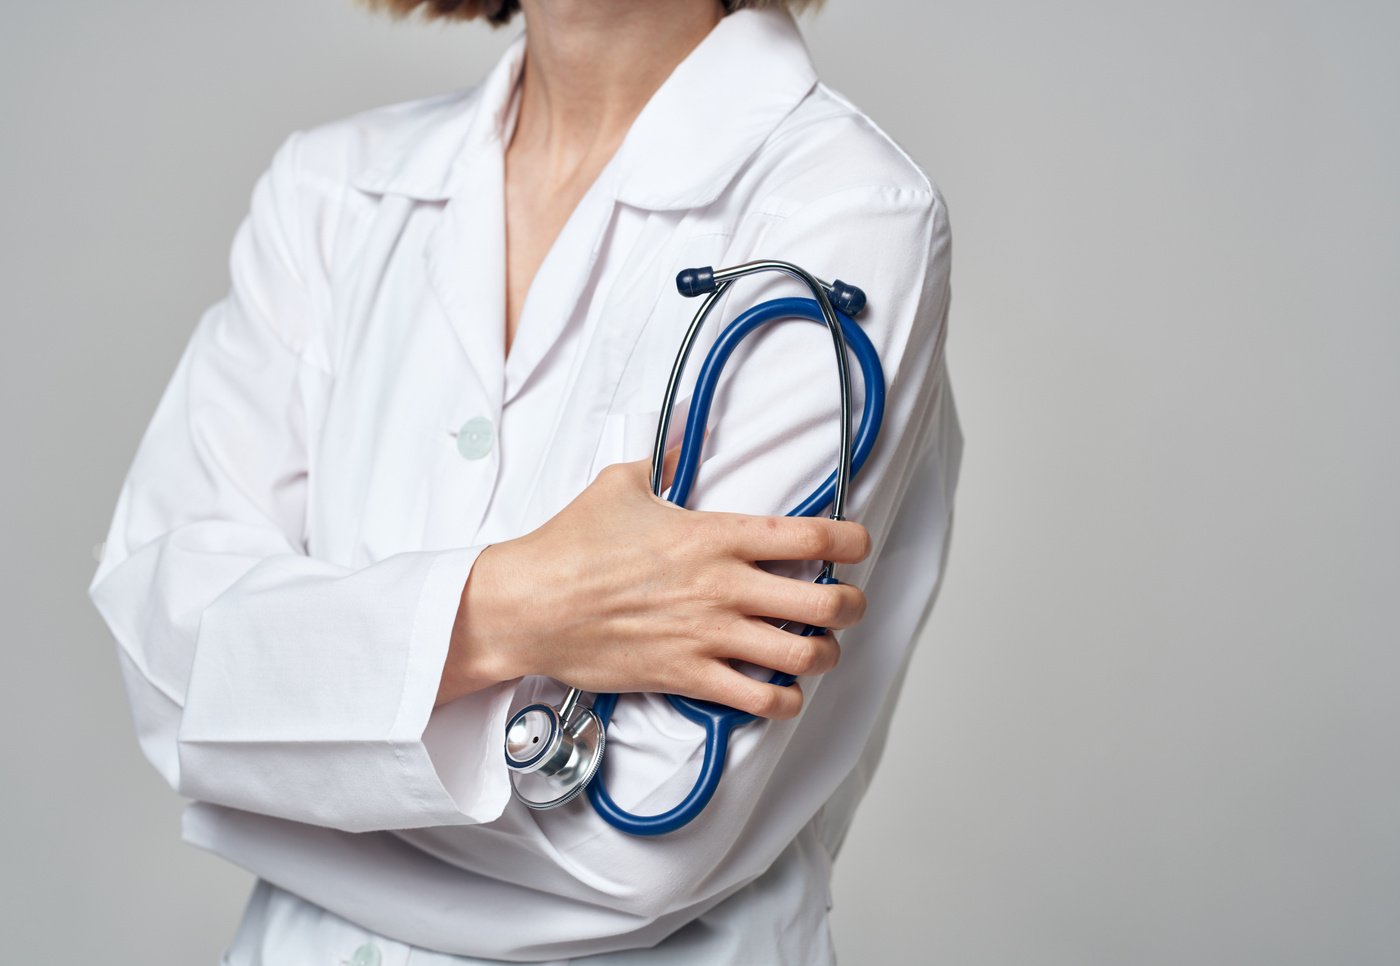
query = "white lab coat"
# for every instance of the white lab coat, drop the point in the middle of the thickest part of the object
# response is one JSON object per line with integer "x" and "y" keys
{"x": 343, "y": 435}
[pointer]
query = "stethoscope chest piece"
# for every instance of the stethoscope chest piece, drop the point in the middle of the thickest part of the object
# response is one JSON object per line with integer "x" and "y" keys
{"x": 553, "y": 754}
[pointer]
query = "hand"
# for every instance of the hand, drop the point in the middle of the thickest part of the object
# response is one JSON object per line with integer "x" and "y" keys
{"x": 622, "y": 591}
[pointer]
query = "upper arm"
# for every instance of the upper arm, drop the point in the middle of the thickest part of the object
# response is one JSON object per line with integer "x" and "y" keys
{"x": 773, "y": 437}
{"x": 774, "y": 426}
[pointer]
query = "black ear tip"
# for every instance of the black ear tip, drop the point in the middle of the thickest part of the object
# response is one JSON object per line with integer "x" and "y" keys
{"x": 847, "y": 298}
{"x": 691, "y": 282}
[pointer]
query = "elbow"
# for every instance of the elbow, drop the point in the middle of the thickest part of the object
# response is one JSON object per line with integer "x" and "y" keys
{"x": 157, "y": 743}
{"x": 156, "y": 717}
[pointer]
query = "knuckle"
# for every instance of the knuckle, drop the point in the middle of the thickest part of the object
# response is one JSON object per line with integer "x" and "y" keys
{"x": 693, "y": 633}
{"x": 857, "y": 604}
{"x": 802, "y": 655}
{"x": 688, "y": 676}
{"x": 614, "y": 474}
{"x": 813, "y": 540}
{"x": 709, "y": 589}
{"x": 829, "y": 606}
{"x": 863, "y": 542}
{"x": 833, "y": 651}
{"x": 787, "y": 702}
{"x": 694, "y": 535}
{"x": 769, "y": 532}
{"x": 824, "y": 653}
{"x": 768, "y": 702}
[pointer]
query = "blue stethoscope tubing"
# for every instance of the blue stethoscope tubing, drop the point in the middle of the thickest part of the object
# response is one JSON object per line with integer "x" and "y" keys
{"x": 555, "y": 753}
{"x": 719, "y": 721}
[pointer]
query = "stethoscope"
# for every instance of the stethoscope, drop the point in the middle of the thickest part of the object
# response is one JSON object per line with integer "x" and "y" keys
{"x": 554, "y": 753}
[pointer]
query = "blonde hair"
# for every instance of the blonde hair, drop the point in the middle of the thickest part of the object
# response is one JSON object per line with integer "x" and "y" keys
{"x": 498, "y": 12}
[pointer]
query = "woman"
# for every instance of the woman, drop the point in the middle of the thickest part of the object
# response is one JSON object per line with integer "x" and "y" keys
{"x": 371, "y": 515}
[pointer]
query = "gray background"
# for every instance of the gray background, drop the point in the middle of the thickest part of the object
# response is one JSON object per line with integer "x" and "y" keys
{"x": 1155, "y": 717}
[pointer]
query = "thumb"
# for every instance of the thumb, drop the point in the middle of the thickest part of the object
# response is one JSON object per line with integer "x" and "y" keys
{"x": 669, "y": 463}
{"x": 670, "y": 460}
{"x": 640, "y": 470}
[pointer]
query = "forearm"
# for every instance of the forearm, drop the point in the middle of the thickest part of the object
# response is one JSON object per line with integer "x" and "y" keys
{"x": 622, "y": 591}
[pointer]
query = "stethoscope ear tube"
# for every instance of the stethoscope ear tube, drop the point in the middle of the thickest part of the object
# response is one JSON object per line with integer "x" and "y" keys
{"x": 697, "y": 418}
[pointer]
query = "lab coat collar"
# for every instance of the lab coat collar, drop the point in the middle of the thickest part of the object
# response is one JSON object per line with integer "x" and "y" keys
{"x": 689, "y": 141}
{"x": 429, "y": 158}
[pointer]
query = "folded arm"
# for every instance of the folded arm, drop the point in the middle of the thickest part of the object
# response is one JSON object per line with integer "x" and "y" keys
{"x": 261, "y": 677}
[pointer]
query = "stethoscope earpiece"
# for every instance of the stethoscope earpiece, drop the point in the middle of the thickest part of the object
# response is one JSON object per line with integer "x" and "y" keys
{"x": 691, "y": 282}
{"x": 846, "y": 298}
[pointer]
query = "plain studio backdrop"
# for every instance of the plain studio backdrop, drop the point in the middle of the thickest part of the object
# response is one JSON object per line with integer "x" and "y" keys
{"x": 1154, "y": 719}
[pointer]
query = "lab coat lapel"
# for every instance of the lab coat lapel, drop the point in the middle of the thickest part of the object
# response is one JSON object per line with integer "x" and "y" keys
{"x": 562, "y": 284}
{"x": 453, "y": 157}
{"x": 465, "y": 257}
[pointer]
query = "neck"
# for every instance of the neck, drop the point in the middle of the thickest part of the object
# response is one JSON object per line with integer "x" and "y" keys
{"x": 591, "y": 66}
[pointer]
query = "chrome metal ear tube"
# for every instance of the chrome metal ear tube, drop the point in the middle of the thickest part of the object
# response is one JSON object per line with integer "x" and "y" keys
{"x": 714, "y": 282}
{"x": 668, "y": 402}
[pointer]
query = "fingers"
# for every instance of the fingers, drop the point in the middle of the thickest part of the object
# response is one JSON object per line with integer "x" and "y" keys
{"x": 822, "y": 605}
{"x": 722, "y": 683}
{"x": 767, "y": 646}
{"x": 795, "y": 538}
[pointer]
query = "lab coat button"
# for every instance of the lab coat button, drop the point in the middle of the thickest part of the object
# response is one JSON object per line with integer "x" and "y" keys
{"x": 475, "y": 437}
{"x": 366, "y": 955}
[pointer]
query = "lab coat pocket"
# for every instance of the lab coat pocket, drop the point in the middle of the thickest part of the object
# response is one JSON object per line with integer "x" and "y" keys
{"x": 630, "y": 435}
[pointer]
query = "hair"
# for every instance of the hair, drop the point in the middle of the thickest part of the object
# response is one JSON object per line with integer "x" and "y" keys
{"x": 499, "y": 12}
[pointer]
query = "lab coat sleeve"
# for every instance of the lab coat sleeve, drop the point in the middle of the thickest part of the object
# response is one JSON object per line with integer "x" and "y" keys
{"x": 773, "y": 437}
{"x": 261, "y": 677}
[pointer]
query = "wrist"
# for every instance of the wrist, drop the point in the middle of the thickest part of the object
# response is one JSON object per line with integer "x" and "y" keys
{"x": 484, "y": 648}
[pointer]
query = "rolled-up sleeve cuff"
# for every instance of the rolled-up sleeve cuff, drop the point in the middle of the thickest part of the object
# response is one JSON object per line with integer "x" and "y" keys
{"x": 312, "y": 698}
{"x": 451, "y": 756}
